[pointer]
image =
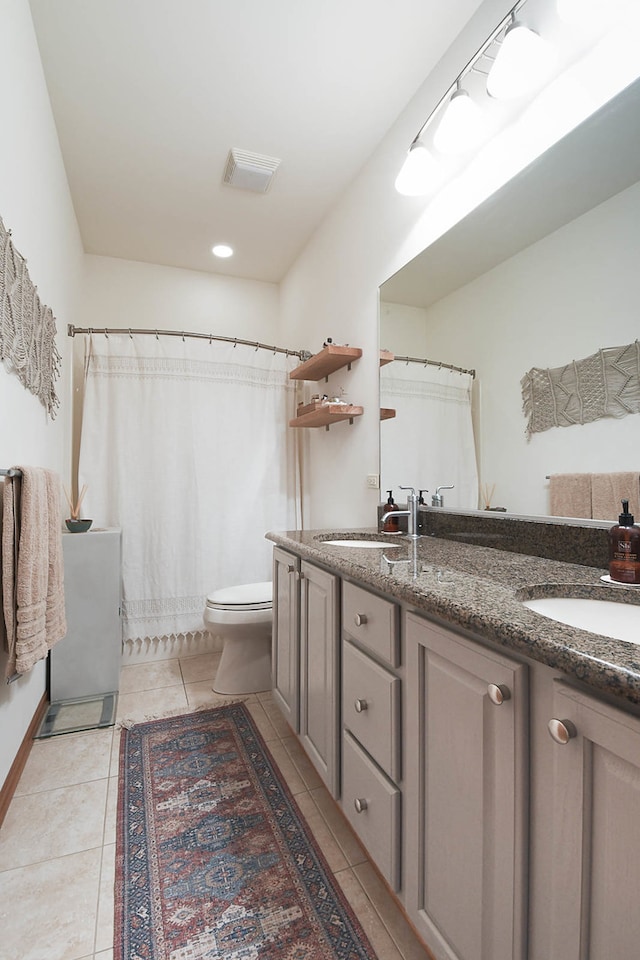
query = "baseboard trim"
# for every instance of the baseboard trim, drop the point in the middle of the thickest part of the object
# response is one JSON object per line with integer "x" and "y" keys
{"x": 18, "y": 765}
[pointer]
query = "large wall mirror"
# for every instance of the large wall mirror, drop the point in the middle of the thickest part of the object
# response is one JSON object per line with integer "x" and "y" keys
{"x": 543, "y": 273}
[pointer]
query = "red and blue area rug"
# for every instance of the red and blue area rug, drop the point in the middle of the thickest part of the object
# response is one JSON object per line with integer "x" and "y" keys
{"x": 213, "y": 858}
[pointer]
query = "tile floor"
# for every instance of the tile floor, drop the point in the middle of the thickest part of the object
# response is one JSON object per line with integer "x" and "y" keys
{"x": 57, "y": 843}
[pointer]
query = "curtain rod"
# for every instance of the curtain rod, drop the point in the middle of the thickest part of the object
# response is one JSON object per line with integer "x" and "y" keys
{"x": 435, "y": 363}
{"x": 71, "y": 332}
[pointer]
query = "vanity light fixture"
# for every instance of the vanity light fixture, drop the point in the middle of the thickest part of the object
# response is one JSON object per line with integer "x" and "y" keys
{"x": 519, "y": 65}
{"x": 461, "y": 125}
{"x": 419, "y": 174}
{"x": 222, "y": 250}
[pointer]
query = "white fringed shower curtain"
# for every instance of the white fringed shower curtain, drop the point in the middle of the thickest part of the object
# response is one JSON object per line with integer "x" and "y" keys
{"x": 185, "y": 447}
{"x": 429, "y": 442}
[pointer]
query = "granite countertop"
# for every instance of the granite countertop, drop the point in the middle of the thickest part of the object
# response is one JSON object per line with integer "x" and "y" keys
{"x": 480, "y": 589}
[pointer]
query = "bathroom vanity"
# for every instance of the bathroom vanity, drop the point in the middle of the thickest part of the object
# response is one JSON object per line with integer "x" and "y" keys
{"x": 488, "y": 757}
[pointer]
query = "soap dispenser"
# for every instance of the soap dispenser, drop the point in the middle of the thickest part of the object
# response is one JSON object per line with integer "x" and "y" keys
{"x": 391, "y": 523}
{"x": 624, "y": 548}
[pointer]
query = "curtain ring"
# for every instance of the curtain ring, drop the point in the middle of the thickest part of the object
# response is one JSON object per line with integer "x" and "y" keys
{"x": 90, "y": 331}
{"x": 157, "y": 337}
{"x": 130, "y": 334}
{"x": 183, "y": 336}
{"x": 235, "y": 342}
{"x": 106, "y": 334}
{"x": 210, "y": 339}
{"x": 257, "y": 345}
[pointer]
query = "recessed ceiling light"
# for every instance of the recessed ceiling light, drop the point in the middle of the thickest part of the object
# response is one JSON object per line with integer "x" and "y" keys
{"x": 222, "y": 250}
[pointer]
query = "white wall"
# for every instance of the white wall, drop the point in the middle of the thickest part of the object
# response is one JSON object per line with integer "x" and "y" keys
{"x": 559, "y": 300}
{"x": 35, "y": 205}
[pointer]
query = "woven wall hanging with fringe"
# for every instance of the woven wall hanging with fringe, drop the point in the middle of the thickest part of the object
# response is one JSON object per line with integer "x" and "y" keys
{"x": 27, "y": 327}
{"x": 606, "y": 384}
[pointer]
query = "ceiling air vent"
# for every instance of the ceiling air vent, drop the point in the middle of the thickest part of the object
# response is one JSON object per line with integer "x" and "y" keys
{"x": 250, "y": 171}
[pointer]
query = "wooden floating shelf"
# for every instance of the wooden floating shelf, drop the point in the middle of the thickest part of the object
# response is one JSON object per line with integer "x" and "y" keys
{"x": 324, "y": 414}
{"x": 386, "y": 357}
{"x": 330, "y": 359}
{"x": 387, "y": 413}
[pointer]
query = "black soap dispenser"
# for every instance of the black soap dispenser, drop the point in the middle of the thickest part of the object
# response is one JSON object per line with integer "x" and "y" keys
{"x": 624, "y": 548}
{"x": 391, "y": 523}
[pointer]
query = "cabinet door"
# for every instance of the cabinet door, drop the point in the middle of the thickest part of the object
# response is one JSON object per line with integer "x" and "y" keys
{"x": 319, "y": 700}
{"x": 285, "y": 641}
{"x": 596, "y": 831}
{"x": 466, "y": 788}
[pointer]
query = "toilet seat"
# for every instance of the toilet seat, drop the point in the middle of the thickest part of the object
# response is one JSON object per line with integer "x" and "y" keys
{"x": 246, "y": 597}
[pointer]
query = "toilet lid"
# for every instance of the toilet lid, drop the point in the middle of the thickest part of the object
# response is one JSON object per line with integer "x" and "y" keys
{"x": 247, "y": 596}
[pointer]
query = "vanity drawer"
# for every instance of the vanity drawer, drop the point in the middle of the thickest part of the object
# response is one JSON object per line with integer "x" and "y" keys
{"x": 371, "y": 707}
{"x": 371, "y": 804}
{"x": 372, "y": 622}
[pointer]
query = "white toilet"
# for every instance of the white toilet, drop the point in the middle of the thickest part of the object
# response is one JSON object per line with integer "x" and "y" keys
{"x": 242, "y": 616}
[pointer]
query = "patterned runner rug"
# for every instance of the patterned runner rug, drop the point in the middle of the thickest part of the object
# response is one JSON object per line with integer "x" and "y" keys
{"x": 213, "y": 858}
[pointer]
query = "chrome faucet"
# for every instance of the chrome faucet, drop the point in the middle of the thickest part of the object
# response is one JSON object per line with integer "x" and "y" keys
{"x": 437, "y": 499}
{"x": 411, "y": 513}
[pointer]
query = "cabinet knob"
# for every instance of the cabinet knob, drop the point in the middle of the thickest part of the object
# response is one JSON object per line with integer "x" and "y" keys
{"x": 561, "y": 730}
{"x": 498, "y": 693}
{"x": 360, "y": 705}
{"x": 360, "y": 804}
{"x": 360, "y": 619}
{"x": 300, "y": 576}
{"x": 290, "y": 568}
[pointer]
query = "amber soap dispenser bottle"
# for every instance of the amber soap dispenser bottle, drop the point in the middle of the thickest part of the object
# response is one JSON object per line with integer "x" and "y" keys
{"x": 624, "y": 548}
{"x": 391, "y": 523}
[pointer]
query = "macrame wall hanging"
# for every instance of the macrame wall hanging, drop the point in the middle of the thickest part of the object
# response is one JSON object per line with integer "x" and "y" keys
{"x": 27, "y": 327}
{"x": 606, "y": 384}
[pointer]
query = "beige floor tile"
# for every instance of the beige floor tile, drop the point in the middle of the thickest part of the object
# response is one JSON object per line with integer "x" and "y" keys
{"x": 48, "y": 910}
{"x": 339, "y": 827}
{"x": 104, "y": 926}
{"x": 149, "y": 676}
{"x": 53, "y": 823}
{"x": 308, "y": 773}
{"x": 275, "y": 716}
{"x": 321, "y": 833}
{"x": 390, "y": 914}
{"x": 111, "y": 813}
{"x": 286, "y": 767}
{"x": 66, "y": 759}
{"x": 200, "y": 668}
{"x": 151, "y": 704}
{"x": 202, "y": 694}
{"x": 372, "y": 925}
{"x": 114, "y": 765}
{"x": 262, "y": 721}
{"x": 104, "y": 955}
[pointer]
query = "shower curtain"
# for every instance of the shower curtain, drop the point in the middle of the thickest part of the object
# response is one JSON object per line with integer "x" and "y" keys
{"x": 429, "y": 442}
{"x": 185, "y": 447}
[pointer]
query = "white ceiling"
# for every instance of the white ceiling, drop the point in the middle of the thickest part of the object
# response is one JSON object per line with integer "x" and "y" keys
{"x": 150, "y": 95}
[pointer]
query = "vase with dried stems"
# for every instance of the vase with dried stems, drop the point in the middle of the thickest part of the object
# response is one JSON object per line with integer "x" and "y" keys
{"x": 73, "y": 522}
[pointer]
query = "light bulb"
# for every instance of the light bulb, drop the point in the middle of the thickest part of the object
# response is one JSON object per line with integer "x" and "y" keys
{"x": 519, "y": 65}
{"x": 222, "y": 250}
{"x": 460, "y": 127}
{"x": 419, "y": 173}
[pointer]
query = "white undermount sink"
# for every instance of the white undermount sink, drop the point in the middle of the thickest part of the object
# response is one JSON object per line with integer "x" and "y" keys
{"x": 621, "y": 621}
{"x": 359, "y": 543}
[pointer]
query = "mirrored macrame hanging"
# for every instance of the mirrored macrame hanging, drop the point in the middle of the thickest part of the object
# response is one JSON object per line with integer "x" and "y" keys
{"x": 606, "y": 384}
{"x": 27, "y": 328}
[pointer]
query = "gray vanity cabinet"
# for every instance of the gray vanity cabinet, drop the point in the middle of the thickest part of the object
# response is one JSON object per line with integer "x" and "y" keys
{"x": 371, "y": 718}
{"x": 465, "y": 796}
{"x": 320, "y": 672}
{"x": 595, "y": 874}
{"x": 285, "y": 642}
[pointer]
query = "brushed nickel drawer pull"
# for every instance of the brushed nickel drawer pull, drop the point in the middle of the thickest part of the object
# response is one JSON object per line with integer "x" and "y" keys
{"x": 562, "y": 731}
{"x": 360, "y": 619}
{"x": 360, "y": 705}
{"x": 360, "y": 804}
{"x": 498, "y": 693}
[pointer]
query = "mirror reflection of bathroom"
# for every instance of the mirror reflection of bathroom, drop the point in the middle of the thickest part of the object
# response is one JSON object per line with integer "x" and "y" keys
{"x": 542, "y": 274}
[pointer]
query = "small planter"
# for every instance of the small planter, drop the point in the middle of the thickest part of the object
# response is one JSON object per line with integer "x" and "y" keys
{"x": 78, "y": 526}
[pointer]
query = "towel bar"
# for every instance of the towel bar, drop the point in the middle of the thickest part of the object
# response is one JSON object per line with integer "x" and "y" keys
{"x": 12, "y": 472}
